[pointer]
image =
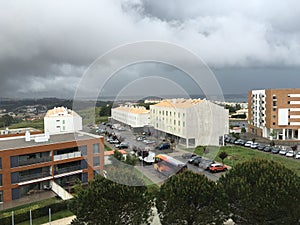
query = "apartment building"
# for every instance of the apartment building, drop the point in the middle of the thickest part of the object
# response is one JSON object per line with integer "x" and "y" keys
{"x": 274, "y": 113}
{"x": 191, "y": 122}
{"x": 133, "y": 116}
{"x": 36, "y": 162}
{"x": 62, "y": 120}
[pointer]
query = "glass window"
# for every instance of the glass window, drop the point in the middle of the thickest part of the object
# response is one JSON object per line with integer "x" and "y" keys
{"x": 1, "y": 196}
{"x": 96, "y": 161}
{"x": 0, "y": 179}
{"x": 0, "y": 163}
{"x": 183, "y": 124}
{"x": 96, "y": 148}
{"x": 83, "y": 149}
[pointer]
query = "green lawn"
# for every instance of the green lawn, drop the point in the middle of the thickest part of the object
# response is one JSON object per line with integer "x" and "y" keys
{"x": 37, "y": 124}
{"x": 45, "y": 219}
{"x": 239, "y": 154}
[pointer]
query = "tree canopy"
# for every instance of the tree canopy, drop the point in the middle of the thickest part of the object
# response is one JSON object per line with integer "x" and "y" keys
{"x": 107, "y": 202}
{"x": 262, "y": 192}
{"x": 190, "y": 198}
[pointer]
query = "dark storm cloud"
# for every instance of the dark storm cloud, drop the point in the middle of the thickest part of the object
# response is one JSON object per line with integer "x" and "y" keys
{"x": 45, "y": 46}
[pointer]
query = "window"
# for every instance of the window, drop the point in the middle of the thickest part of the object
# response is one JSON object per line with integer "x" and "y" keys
{"x": 178, "y": 115}
{"x": 83, "y": 149}
{"x": 0, "y": 163}
{"x": 96, "y": 161}
{"x": 178, "y": 123}
{"x": 170, "y": 113}
{"x": 166, "y": 113}
{"x": 0, "y": 180}
{"x": 274, "y": 116}
{"x": 63, "y": 121}
{"x": 289, "y": 102}
{"x": 183, "y": 124}
{"x": 174, "y": 122}
{"x": 96, "y": 148}
{"x": 183, "y": 115}
{"x": 274, "y": 123}
{"x": 163, "y": 113}
{"x": 57, "y": 121}
{"x": 274, "y": 110}
{"x": 1, "y": 196}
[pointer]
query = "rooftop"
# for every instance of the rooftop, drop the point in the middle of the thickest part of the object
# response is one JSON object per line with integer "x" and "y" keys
{"x": 132, "y": 109}
{"x": 179, "y": 103}
{"x": 19, "y": 142}
{"x": 60, "y": 111}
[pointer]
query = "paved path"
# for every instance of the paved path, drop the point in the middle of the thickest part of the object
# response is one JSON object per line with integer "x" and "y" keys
{"x": 63, "y": 221}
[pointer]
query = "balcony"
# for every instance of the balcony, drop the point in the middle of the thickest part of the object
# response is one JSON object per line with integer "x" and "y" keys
{"x": 34, "y": 161}
{"x": 33, "y": 176}
{"x": 67, "y": 156}
{"x": 67, "y": 169}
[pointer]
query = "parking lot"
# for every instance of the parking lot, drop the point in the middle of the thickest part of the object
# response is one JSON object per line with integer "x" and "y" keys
{"x": 149, "y": 170}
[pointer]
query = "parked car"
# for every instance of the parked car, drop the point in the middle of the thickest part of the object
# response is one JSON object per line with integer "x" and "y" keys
{"x": 116, "y": 141}
{"x": 140, "y": 138}
{"x": 283, "y": 152}
{"x": 122, "y": 145}
{"x": 290, "y": 153}
{"x": 163, "y": 146}
{"x": 261, "y": 147}
{"x": 242, "y": 142}
{"x": 217, "y": 167}
{"x": 297, "y": 156}
{"x": 195, "y": 160}
{"x": 275, "y": 150}
{"x": 188, "y": 155}
{"x": 238, "y": 141}
{"x": 206, "y": 163}
{"x": 254, "y": 145}
{"x": 248, "y": 143}
{"x": 148, "y": 142}
{"x": 232, "y": 140}
{"x": 267, "y": 149}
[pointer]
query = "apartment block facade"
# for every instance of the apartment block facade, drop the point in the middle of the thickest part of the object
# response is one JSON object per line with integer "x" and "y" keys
{"x": 274, "y": 113}
{"x": 133, "y": 116}
{"x": 191, "y": 122}
{"x": 28, "y": 163}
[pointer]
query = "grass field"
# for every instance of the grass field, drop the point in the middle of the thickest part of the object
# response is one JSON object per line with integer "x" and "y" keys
{"x": 37, "y": 124}
{"x": 238, "y": 154}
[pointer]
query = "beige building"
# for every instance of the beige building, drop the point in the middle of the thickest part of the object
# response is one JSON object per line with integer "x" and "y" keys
{"x": 191, "y": 122}
{"x": 133, "y": 116}
{"x": 274, "y": 113}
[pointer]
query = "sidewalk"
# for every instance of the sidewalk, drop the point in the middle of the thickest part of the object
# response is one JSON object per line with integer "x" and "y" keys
{"x": 63, "y": 221}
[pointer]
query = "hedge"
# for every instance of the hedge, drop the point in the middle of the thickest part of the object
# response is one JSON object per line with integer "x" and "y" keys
{"x": 36, "y": 213}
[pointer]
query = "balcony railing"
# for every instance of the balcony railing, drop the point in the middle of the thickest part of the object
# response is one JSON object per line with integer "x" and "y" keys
{"x": 33, "y": 176}
{"x": 34, "y": 161}
{"x": 67, "y": 169}
{"x": 67, "y": 156}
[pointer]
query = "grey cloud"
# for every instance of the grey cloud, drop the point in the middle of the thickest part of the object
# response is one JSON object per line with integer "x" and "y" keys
{"x": 45, "y": 46}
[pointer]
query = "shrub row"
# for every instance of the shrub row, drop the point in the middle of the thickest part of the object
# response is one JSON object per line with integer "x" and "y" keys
{"x": 36, "y": 213}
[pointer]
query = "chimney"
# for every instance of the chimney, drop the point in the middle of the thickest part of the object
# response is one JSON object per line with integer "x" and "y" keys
{"x": 27, "y": 136}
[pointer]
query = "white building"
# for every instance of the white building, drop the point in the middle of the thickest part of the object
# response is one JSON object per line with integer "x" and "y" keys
{"x": 192, "y": 122}
{"x": 62, "y": 120}
{"x": 133, "y": 116}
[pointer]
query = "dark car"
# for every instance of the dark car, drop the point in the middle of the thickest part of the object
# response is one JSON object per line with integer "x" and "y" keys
{"x": 163, "y": 146}
{"x": 195, "y": 160}
{"x": 275, "y": 150}
{"x": 267, "y": 149}
{"x": 206, "y": 163}
{"x": 242, "y": 142}
{"x": 188, "y": 155}
{"x": 261, "y": 147}
{"x": 232, "y": 140}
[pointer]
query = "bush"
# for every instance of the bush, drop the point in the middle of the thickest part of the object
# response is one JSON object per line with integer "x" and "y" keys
{"x": 36, "y": 213}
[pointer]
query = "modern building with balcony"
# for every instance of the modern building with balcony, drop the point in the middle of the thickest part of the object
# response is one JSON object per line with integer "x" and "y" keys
{"x": 32, "y": 163}
{"x": 191, "y": 122}
{"x": 134, "y": 116}
{"x": 274, "y": 113}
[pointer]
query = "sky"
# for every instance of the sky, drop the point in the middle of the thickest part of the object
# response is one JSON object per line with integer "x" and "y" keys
{"x": 47, "y": 47}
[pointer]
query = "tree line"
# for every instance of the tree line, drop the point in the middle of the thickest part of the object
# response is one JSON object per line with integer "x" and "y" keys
{"x": 254, "y": 192}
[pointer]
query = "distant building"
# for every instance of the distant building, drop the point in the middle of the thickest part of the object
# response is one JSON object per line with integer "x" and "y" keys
{"x": 62, "y": 120}
{"x": 192, "y": 122}
{"x": 274, "y": 113}
{"x": 133, "y": 116}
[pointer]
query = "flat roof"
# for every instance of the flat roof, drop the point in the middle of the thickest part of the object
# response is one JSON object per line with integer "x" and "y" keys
{"x": 19, "y": 141}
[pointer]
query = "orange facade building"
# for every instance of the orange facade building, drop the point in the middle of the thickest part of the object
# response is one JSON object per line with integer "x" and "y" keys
{"x": 274, "y": 113}
{"x": 29, "y": 163}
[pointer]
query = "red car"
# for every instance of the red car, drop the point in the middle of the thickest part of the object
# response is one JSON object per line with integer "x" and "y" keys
{"x": 217, "y": 167}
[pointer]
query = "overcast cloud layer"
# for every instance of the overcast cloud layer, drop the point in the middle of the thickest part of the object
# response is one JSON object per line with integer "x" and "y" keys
{"x": 45, "y": 46}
